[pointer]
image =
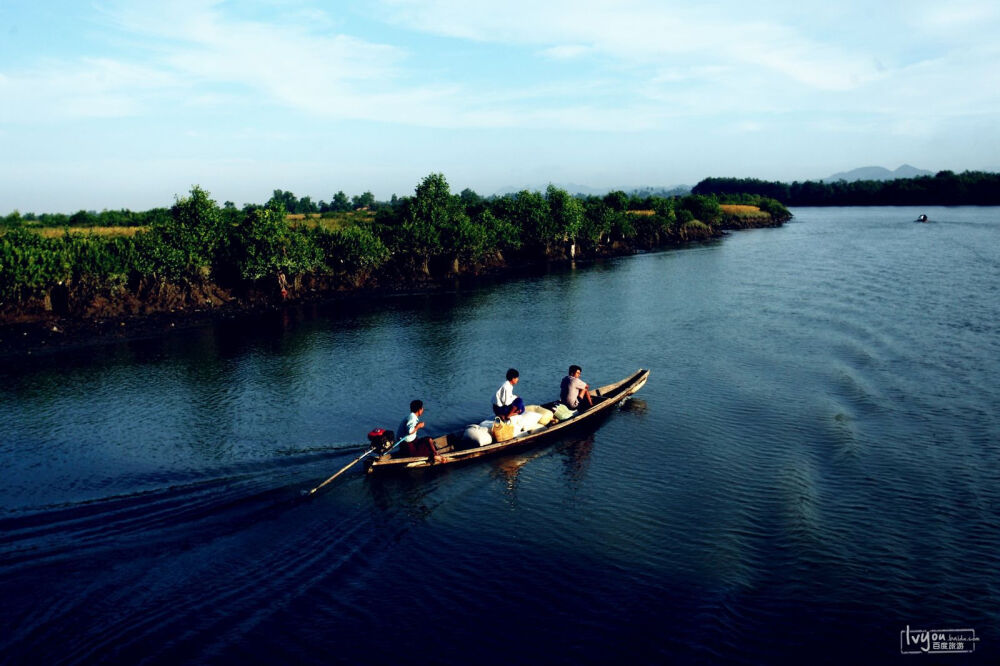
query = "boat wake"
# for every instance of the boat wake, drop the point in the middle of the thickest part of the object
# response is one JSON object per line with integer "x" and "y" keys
{"x": 169, "y": 572}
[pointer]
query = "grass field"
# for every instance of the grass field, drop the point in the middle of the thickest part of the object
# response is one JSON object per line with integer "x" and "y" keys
{"x": 332, "y": 221}
{"x": 57, "y": 232}
{"x": 743, "y": 211}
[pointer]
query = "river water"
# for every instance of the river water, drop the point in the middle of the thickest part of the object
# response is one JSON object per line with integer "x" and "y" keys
{"x": 812, "y": 469}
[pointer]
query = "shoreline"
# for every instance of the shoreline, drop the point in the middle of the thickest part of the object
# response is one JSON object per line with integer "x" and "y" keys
{"x": 37, "y": 333}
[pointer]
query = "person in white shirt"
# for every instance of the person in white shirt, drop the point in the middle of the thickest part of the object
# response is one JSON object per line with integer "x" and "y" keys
{"x": 410, "y": 445}
{"x": 505, "y": 403}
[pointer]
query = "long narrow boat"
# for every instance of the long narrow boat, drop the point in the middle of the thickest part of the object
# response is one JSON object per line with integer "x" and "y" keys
{"x": 452, "y": 448}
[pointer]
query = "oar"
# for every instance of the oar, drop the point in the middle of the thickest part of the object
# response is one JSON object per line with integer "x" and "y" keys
{"x": 350, "y": 465}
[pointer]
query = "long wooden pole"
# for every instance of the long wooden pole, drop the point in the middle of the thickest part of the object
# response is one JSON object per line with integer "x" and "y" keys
{"x": 349, "y": 466}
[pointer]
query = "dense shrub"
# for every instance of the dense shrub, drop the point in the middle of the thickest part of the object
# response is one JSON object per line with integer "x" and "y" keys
{"x": 351, "y": 251}
{"x": 433, "y": 232}
{"x": 264, "y": 245}
{"x": 705, "y": 209}
{"x": 29, "y": 263}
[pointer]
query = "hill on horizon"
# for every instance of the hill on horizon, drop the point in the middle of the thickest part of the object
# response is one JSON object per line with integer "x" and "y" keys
{"x": 877, "y": 173}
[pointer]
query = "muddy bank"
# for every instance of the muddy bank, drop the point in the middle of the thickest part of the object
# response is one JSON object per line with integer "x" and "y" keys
{"x": 69, "y": 316}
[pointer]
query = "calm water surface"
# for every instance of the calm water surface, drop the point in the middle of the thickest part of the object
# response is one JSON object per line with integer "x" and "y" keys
{"x": 813, "y": 466}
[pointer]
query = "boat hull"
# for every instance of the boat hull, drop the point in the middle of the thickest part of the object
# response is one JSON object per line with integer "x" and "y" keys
{"x": 606, "y": 397}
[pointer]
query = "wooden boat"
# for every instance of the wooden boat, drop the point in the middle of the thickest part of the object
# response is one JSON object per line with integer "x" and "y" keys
{"x": 452, "y": 447}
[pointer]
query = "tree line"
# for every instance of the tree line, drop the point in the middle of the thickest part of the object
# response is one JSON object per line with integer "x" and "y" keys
{"x": 946, "y": 188}
{"x": 431, "y": 234}
{"x": 339, "y": 203}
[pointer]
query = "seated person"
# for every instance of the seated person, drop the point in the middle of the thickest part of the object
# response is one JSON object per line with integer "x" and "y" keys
{"x": 573, "y": 392}
{"x": 410, "y": 446}
{"x": 505, "y": 403}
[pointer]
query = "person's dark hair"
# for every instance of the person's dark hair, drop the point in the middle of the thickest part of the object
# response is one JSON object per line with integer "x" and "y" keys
{"x": 512, "y": 373}
{"x": 574, "y": 368}
{"x": 415, "y": 405}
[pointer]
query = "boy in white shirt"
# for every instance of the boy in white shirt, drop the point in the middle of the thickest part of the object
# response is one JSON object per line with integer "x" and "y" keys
{"x": 505, "y": 403}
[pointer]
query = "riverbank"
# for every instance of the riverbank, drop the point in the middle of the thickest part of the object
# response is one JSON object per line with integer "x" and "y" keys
{"x": 150, "y": 310}
{"x": 201, "y": 262}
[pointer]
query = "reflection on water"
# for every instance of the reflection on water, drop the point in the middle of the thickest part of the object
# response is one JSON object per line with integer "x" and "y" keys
{"x": 813, "y": 458}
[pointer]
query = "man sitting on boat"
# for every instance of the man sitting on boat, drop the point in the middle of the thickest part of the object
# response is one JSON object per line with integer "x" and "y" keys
{"x": 410, "y": 446}
{"x": 573, "y": 391}
{"x": 505, "y": 403}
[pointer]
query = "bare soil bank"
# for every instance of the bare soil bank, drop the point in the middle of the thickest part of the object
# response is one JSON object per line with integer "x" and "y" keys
{"x": 70, "y": 316}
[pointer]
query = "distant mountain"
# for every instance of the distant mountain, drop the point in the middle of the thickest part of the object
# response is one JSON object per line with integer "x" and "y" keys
{"x": 878, "y": 173}
{"x": 678, "y": 191}
{"x": 572, "y": 188}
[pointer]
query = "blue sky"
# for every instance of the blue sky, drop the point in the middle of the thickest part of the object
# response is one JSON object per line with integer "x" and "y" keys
{"x": 111, "y": 104}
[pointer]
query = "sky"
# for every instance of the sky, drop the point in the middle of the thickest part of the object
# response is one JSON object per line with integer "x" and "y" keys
{"x": 107, "y": 104}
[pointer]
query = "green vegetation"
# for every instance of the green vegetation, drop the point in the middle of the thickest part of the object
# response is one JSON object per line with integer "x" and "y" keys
{"x": 198, "y": 245}
{"x": 946, "y": 188}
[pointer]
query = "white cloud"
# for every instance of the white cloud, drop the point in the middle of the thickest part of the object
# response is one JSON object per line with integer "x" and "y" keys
{"x": 565, "y": 52}
{"x": 90, "y": 88}
{"x": 647, "y": 65}
{"x": 644, "y": 33}
{"x": 293, "y": 64}
{"x": 957, "y": 17}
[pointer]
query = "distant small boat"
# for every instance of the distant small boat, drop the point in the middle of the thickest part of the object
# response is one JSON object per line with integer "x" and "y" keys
{"x": 922, "y": 218}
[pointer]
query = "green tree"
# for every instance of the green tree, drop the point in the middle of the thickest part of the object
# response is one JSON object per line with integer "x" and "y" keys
{"x": 366, "y": 200}
{"x": 286, "y": 200}
{"x": 30, "y": 263}
{"x": 663, "y": 207}
{"x": 188, "y": 241}
{"x": 616, "y": 201}
{"x": 441, "y": 217}
{"x": 14, "y": 219}
{"x": 597, "y": 222}
{"x": 307, "y": 206}
{"x": 265, "y": 244}
{"x": 529, "y": 212}
{"x": 339, "y": 203}
{"x": 469, "y": 198}
{"x": 704, "y": 208}
{"x": 81, "y": 218}
{"x": 501, "y": 234}
{"x": 566, "y": 213}
{"x": 352, "y": 252}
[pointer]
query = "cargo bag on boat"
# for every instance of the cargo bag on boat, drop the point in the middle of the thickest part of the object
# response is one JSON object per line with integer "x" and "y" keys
{"x": 501, "y": 430}
{"x": 525, "y": 422}
{"x": 562, "y": 412}
{"x": 478, "y": 435}
{"x": 545, "y": 415}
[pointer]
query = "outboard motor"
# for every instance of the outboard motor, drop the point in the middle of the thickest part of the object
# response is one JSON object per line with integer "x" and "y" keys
{"x": 381, "y": 440}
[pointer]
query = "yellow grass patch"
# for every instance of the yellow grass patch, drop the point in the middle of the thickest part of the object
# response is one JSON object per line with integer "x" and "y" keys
{"x": 742, "y": 211}
{"x": 337, "y": 221}
{"x": 57, "y": 232}
{"x": 642, "y": 213}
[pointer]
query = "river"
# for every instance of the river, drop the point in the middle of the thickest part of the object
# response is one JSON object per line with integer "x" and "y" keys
{"x": 811, "y": 474}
